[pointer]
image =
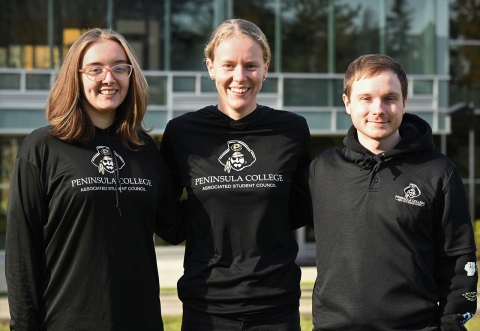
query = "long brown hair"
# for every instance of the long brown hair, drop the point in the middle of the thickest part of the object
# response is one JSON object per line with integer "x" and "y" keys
{"x": 70, "y": 121}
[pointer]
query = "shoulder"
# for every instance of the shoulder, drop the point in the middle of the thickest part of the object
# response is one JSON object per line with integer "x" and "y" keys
{"x": 437, "y": 162}
{"x": 36, "y": 138}
{"x": 328, "y": 154}
{"x": 182, "y": 120}
{"x": 36, "y": 145}
{"x": 284, "y": 114}
{"x": 283, "y": 117}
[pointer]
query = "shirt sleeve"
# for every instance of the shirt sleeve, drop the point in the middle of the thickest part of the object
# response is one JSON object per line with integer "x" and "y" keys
{"x": 455, "y": 272}
{"x": 457, "y": 277}
{"x": 24, "y": 248}
{"x": 300, "y": 204}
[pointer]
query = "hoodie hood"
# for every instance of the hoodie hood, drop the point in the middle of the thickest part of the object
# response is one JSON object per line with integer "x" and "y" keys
{"x": 416, "y": 136}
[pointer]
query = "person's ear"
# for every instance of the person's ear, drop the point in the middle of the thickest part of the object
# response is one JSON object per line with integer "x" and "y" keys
{"x": 347, "y": 104}
{"x": 404, "y": 105}
{"x": 211, "y": 70}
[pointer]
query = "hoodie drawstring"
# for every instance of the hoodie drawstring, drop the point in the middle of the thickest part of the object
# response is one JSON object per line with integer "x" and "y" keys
{"x": 118, "y": 185}
{"x": 373, "y": 163}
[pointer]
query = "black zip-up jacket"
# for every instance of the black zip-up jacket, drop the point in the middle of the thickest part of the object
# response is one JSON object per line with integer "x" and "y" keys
{"x": 394, "y": 239}
{"x": 79, "y": 247}
{"x": 242, "y": 179}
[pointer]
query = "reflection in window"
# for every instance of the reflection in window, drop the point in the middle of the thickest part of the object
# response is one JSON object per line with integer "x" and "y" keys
{"x": 191, "y": 26}
{"x": 410, "y": 34}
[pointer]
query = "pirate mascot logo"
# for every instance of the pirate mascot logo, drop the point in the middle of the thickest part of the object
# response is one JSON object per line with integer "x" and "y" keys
{"x": 412, "y": 191}
{"x": 238, "y": 156}
{"x": 103, "y": 160}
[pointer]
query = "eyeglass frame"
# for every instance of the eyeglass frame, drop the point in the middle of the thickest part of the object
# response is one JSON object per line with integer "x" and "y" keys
{"x": 106, "y": 70}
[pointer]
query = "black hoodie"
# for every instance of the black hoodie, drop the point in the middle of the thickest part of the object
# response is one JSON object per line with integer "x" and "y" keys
{"x": 243, "y": 197}
{"x": 394, "y": 239}
{"x": 79, "y": 246}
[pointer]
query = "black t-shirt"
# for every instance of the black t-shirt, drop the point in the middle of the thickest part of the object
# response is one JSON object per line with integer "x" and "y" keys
{"x": 242, "y": 179}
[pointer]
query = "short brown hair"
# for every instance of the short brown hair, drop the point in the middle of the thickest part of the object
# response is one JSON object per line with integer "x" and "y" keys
{"x": 367, "y": 66}
{"x": 64, "y": 111}
{"x": 241, "y": 27}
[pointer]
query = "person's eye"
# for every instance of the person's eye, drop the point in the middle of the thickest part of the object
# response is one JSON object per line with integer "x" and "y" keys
{"x": 95, "y": 70}
{"x": 120, "y": 68}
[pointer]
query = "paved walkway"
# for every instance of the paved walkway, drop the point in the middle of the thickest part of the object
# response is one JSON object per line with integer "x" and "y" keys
{"x": 170, "y": 269}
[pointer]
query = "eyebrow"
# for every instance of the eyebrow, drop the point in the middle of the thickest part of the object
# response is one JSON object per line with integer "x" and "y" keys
{"x": 385, "y": 94}
{"x": 101, "y": 64}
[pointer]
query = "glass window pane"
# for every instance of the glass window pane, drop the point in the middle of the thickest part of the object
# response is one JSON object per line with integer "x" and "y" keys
{"x": 10, "y": 81}
{"x": 317, "y": 120}
{"x": 306, "y": 92}
{"x": 304, "y": 36}
{"x": 191, "y": 26}
{"x": 428, "y": 117}
{"x": 270, "y": 85}
{"x": 443, "y": 93}
{"x": 423, "y": 87}
{"x": 344, "y": 121}
{"x": 358, "y": 27}
{"x": 156, "y": 120}
{"x": 410, "y": 34}
{"x": 441, "y": 122}
{"x": 22, "y": 118}
{"x": 208, "y": 85}
{"x": 38, "y": 82}
{"x": 184, "y": 84}
{"x": 158, "y": 90}
{"x": 141, "y": 22}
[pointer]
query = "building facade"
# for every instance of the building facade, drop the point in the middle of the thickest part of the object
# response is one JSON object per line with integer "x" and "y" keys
{"x": 436, "y": 41}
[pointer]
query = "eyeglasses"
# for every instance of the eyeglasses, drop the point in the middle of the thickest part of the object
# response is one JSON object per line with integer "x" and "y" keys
{"x": 97, "y": 73}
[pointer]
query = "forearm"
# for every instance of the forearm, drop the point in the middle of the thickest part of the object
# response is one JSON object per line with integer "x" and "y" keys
{"x": 457, "y": 277}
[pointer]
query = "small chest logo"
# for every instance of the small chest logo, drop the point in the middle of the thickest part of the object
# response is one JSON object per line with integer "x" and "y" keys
{"x": 411, "y": 192}
{"x": 237, "y": 156}
{"x": 103, "y": 160}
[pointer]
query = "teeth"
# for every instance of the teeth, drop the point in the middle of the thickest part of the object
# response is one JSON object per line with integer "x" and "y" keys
{"x": 239, "y": 90}
{"x": 108, "y": 92}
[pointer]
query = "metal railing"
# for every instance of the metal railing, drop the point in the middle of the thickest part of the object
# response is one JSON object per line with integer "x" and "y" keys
{"x": 317, "y": 97}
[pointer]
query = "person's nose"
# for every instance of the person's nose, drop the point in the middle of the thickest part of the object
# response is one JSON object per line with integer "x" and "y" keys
{"x": 378, "y": 106}
{"x": 239, "y": 74}
{"x": 108, "y": 76}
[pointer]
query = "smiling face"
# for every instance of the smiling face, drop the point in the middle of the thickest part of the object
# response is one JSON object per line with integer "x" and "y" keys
{"x": 102, "y": 98}
{"x": 376, "y": 106}
{"x": 238, "y": 69}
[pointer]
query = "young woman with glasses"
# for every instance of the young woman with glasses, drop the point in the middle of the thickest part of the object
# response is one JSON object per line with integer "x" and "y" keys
{"x": 86, "y": 196}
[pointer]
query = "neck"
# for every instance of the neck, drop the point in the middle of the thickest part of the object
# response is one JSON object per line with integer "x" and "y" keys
{"x": 236, "y": 114}
{"x": 101, "y": 120}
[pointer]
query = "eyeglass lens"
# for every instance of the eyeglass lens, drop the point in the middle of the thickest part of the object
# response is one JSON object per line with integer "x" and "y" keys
{"x": 120, "y": 71}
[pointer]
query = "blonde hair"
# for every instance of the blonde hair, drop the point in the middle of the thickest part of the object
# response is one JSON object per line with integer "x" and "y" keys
{"x": 367, "y": 66}
{"x": 241, "y": 27}
{"x": 64, "y": 111}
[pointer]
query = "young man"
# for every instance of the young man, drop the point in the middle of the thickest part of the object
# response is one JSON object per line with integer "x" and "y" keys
{"x": 394, "y": 239}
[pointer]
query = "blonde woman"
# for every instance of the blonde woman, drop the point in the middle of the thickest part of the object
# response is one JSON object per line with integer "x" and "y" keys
{"x": 241, "y": 165}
